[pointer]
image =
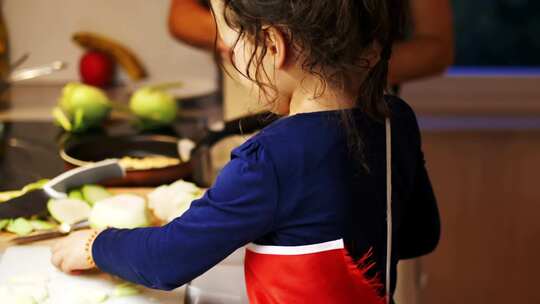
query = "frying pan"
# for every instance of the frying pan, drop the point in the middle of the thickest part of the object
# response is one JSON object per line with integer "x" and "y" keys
{"x": 197, "y": 167}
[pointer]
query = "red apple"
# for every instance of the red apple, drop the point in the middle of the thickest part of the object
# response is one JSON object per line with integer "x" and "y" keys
{"x": 96, "y": 68}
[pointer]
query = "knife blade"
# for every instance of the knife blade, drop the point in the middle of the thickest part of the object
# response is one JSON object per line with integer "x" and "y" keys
{"x": 61, "y": 231}
{"x": 29, "y": 73}
{"x": 35, "y": 202}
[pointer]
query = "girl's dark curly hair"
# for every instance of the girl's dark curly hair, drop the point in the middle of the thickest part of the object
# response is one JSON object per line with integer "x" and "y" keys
{"x": 330, "y": 37}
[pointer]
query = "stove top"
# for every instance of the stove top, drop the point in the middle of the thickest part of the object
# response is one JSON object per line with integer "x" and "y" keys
{"x": 30, "y": 150}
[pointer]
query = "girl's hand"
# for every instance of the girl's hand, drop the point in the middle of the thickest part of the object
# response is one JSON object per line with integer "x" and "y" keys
{"x": 70, "y": 254}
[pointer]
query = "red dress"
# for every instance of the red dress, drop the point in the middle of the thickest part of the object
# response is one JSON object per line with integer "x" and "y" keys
{"x": 320, "y": 273}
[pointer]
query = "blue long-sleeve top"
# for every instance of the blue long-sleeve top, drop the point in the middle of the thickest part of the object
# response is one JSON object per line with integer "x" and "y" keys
{"x": 291, "y": 184}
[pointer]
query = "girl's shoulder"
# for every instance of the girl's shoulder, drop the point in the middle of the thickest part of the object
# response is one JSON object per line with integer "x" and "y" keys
{"x": 403, "y": 119}
{"x": 310, "y": 134}
{"x": 400, "y": 107}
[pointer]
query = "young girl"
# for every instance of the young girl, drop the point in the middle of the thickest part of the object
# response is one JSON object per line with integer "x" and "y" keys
{"x": 309, "y": 192}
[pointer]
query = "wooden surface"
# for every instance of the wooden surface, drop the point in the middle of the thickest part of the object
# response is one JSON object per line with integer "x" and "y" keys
{"x": 481, "y": 95}
{"x": 487, "y": 185}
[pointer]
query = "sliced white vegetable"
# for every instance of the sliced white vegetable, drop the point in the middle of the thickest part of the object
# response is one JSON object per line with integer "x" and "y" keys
{"x": 28, "y": 279}
{"x": 23, "y": 299}
{"x": 125, "y": 290}
{"x": 20, "y": 226}
{"x": 5, "y": 293}
{"x": 7, "y": 195}
{"x": 94, "y": 193}
{"x": 68, "y": 210}
{"x": 76, "y": 194}
{"x": 120, "y": 211}
{"x": 96, "y": 296}
{"x": 184, "y": 186}
{"x": 169, "y": 202}
{"x": 24, "y": 294}
{"x": 3, "y": 223}
{"x": 34, "y": 186}
{"x": 42, "y": 225}
{"x": 37, "y": 292}
{"x": 78, "y": 294}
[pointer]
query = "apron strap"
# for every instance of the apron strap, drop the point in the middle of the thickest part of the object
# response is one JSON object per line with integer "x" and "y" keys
{"x": 388, "y": 208}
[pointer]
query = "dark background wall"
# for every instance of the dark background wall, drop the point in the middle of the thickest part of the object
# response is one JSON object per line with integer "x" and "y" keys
{"x": 497, "y": 32}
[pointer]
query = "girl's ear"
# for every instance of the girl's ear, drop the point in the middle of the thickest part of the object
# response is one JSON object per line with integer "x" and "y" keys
{"x": 277, "y": 46}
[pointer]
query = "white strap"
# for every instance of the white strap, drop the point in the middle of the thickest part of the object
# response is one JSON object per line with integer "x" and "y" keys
{"x": 388, "y": 208}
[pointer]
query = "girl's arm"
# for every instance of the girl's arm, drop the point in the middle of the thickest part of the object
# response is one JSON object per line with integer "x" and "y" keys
{"x": 420, "y": 222}
{"x": 238, "y": 209}
{"x": 420, "y": 230}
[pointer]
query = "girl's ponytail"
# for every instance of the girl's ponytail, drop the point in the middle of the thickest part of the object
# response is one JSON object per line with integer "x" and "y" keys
{"x": 371, "y": 102}
{"x": 372, "y": 90}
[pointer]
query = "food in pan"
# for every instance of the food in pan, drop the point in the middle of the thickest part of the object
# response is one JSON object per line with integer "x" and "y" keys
{"x": 148, "y": 162}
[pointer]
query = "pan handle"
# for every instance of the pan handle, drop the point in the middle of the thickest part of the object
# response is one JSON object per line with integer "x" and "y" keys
{"x": 200, "y": 154}
{"x": 243, "y": 125}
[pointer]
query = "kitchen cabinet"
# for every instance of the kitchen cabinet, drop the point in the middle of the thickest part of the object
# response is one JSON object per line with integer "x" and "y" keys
{"x": 486, "y": 183}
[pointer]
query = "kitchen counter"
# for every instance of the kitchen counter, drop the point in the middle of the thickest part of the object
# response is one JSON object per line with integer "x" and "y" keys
{"x": 34, "y": 102}
{"x": 29, "y": 142}
{"x": 483, "y": 162}
{"x": 162, "y": 297}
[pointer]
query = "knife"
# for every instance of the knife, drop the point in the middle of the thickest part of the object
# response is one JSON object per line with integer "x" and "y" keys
{"x": 62, "y": 230}
{"x": 29, "y": 73}
{"x": 35, "y": 202}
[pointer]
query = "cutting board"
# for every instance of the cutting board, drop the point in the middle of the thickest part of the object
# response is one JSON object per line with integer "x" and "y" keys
{"x": 29, "y": 264}
{"x": 33, "y": 262}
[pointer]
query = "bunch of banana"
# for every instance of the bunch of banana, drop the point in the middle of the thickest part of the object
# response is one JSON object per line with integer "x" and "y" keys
{"x": 121, "y": 54}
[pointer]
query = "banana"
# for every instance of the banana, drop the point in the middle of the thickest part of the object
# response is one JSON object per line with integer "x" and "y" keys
{"x": 121, "y": 54}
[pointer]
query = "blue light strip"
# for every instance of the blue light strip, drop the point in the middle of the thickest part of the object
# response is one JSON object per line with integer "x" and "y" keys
{"x": 492, "y": 71}
{"x": 485, "y": 123}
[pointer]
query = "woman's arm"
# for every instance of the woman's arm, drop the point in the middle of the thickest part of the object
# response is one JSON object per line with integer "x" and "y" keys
{"x": 430, "y": 50}
{"x": 192, "y": 23}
